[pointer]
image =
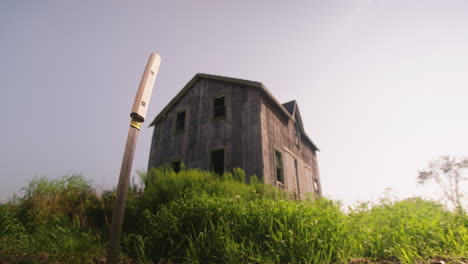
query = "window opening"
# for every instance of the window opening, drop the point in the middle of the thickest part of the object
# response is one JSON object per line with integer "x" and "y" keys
{"x": 217, "y": 161}
{"x": 176, "y": 166}
{"x": 296, "y": 132}
{"x": 219, "y": 107}
{"x": 297, "y": 177}
{"x": 316, "y": 188}
{"x": 279, "y": 166}
{"x": 180, "y": 121}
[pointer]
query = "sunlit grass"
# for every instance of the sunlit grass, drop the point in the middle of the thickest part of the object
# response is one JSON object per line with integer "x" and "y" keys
{"x": 199, "y": 217}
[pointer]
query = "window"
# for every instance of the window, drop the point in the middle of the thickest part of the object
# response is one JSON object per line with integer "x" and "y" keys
{"x": 176, "y": 166}
{"x": 219, "y": 107}
{"x": 217, "y": 161}
{"x": 297, "y": 178}
{"x": 296, "y": 134}
{"x": 180, "y": 121}
{"x": 279, "y": 166}
{"x": 316, "y": 186}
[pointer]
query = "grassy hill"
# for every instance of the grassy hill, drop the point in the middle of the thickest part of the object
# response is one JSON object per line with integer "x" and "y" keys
{"x": 197, "y": 217}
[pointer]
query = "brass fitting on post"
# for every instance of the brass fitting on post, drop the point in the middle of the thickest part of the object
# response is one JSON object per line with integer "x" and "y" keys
{"x": 136, "y": 124}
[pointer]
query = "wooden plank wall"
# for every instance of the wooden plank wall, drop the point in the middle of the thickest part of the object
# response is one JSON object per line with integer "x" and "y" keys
{"x": 238, "y": 133}
{"x": 253, "y": 128}
{"x": 278, "y": 132}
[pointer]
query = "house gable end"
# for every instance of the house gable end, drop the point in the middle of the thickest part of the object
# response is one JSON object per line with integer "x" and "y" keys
{"x": 174, "y": 100}
{"x": 290, "y": 106}
{"x": 197, "y": 77}
{"x": 298, "y": 119}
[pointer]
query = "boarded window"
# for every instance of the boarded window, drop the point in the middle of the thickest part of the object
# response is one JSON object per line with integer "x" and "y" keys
{"x": 180, "y": 121}
{"x": 219, "y": 107}
{"x": 217, "y": 161}
{"x": 176, "y": 166}
{"x": 279, "y": 166}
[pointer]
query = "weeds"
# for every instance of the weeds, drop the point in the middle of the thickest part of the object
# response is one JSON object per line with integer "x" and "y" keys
{"x": 53, "y": 220}
{"x": 196, "y": 216}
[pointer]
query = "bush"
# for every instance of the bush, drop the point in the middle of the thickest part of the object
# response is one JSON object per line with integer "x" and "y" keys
{"x": 408, "y": 230}
{"x": 70, "y": 197}
{"x": 206, "y": 229}
{"x": 52, "y": 221}
{"x": 163, "y": 185}
{"x": 196, "y": 216}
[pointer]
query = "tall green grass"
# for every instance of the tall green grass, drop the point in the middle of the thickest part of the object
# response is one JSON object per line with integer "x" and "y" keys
{"x": 408, "y": 231}
{"x": 163, "y": 185}
{"x": 196, "y": 216}
{"x": 208, "y": 229}
{"x": 51, "y": 221}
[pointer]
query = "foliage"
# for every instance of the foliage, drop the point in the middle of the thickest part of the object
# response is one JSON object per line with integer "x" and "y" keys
{"x": 208, "y": 229}
{"x": 163, "y": 185}
{"x": 196, "y": 216}
{"x": 407, "y": 230}
{"x": 70, "y": 197}
{"x": 449, "y": 174}
{"x": 51, "y": 222}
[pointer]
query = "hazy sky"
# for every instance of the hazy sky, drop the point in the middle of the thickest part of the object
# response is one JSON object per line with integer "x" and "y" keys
{"x": 382, "y": 85}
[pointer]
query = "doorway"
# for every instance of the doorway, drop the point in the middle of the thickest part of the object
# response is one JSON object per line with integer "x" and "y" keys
{"x": 217, "y": 161}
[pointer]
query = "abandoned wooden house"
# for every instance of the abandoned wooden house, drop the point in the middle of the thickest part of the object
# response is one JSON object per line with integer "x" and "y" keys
{"x": 219, "y": 123}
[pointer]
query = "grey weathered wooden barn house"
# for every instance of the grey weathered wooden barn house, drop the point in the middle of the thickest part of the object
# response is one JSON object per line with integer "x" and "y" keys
{"x": 219, "y": 123}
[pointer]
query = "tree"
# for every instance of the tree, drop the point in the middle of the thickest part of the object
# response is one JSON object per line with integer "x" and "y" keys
{"x": 449, "y": 173}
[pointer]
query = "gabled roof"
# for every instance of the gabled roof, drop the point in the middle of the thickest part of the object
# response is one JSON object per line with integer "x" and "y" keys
{"x": 293, "y": 109}
{"x": 198, "y": 76}
{"x": 290, "y": 106}
{"x": 285, "y": 108}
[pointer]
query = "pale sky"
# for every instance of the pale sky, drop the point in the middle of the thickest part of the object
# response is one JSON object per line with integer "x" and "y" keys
{"x": 382, "y": 86}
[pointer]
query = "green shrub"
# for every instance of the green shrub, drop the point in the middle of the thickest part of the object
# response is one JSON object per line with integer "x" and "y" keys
{"x": 70, "y": 197}
{"x": 207, "y": 229}
{"x": 52, "y": 221}
{"x": 196, "y": 216}
{"x": 408, "y": 230}
{"x": 163, "y": 185}
{"x": 52, "y": 243}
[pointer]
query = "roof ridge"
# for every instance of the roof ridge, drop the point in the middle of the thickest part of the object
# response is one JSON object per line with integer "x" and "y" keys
{"x": 260, "y": 85}
{"x": 219, "y": 78}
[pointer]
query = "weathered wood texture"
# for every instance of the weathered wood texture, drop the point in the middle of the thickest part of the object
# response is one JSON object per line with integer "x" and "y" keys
{"x": 253, "y": 128}
{"x": 278, "y": 132}
{"x": 238, "y": 133}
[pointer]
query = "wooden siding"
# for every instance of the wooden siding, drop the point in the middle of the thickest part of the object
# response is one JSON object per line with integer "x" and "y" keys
{"x": 290, "y": 176}
{"x": 238, "y": 133}
{"x": 254, "y": 126}
{"x": 278, "y": 132}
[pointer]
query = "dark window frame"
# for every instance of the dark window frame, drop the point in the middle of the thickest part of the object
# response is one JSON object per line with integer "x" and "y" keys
{"x": 297, "y": 135}
{"x": 296, "y": 168}
{"x": 279, "y": 167}
{"x": 176, "y": 120}
{"x": 222, "y": 108}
